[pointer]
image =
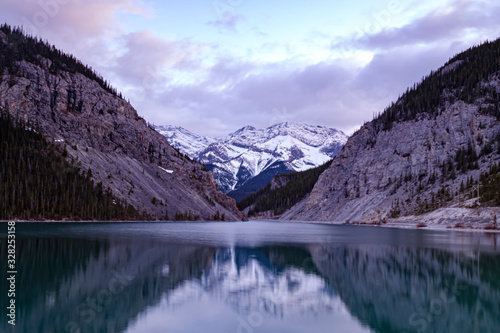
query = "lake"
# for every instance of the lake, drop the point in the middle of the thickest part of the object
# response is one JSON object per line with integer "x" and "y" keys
{"x": 249, "y": 277}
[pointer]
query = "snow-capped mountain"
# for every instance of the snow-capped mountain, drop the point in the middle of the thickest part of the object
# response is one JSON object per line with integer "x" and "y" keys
{"x": 187, "y": 142}
{"x": 247, "y": 159}
{"x": 234, "y": 272}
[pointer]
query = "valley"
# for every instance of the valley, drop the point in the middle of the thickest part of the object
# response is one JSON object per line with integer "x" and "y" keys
{"x": 432, "y": 155}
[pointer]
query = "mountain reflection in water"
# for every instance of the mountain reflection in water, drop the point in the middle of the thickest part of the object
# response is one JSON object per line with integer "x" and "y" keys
{"x": 180, "y": 278}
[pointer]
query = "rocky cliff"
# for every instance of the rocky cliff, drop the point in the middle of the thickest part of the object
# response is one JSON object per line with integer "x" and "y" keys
{"x": 71, "y": 105}
{"x": 437, "y": 146}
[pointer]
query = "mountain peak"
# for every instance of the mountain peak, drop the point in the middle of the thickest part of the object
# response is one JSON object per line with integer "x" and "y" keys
{"x": 247, "y": 128}
{"x": 186, "y": 141}
{"x": 250, "y": 153}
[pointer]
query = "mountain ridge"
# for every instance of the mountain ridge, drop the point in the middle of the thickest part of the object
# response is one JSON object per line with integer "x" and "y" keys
{"x": 187, "y": 142}
{"x": 256, "y": 154}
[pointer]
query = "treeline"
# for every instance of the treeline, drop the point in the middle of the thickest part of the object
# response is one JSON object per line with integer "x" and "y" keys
{"x": 298, "y": 185}
{"x": 36, "y": 182}
{"x": 459, "y": 81}
{"x": 31, "y": 49}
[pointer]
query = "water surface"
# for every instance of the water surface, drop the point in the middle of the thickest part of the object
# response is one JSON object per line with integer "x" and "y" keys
{"x": 251, "y": 277}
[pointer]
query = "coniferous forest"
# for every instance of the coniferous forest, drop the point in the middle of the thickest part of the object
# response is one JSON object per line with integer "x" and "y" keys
{"x": 36, "y": 182}
{"x": 459, "y": 78}
{"x": 297, "y": 186}
{"x": 34, "y": 50}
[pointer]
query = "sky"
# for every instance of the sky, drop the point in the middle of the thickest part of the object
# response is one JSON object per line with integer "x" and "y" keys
{"x": 214, "y": 66}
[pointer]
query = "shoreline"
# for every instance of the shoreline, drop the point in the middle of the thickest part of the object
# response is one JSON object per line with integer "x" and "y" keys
{"x": 443, "y": 219}
{"x": 110, "y": 221}
{"x": 394, "y": 225}
{"x": 480, "y": 219}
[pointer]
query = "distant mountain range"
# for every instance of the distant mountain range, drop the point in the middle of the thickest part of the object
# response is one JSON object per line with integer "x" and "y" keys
{"x": 246, "y": 160}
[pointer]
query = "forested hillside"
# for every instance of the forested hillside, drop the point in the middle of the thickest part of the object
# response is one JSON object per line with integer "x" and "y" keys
{"x": 20, "y": 47}
{"x": 37, "y": 183}
{"x": 282, "y": 192}
{"x": 463, "y": 78}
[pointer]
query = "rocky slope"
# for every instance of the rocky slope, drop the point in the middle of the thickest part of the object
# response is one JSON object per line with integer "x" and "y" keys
{"x": 102, "y": 132}
{"x": 435, "y": 147}
{"x": 246, "y": 160}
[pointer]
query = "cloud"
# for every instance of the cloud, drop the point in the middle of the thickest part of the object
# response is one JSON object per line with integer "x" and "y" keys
{"x": 455, "y": 20}
{"x": 332, "y": 93}
{"x": 227, "y": 72}
{"x": 71, "y": 18}
{"x": 314, "y": 94}
{"x": 228, "y": 21}
{"x": 204, "y": 88}
{"x": 87, "y": 29}
{"x": 146, "y": 59}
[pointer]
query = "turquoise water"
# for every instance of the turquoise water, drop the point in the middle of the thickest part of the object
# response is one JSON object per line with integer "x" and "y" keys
{"x": 251, "y": 277}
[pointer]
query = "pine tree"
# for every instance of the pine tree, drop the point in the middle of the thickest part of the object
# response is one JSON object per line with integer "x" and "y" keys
{"x": 36, "y": 182}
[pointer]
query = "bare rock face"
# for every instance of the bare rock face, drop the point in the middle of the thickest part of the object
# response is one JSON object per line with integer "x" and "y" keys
{"x": 104, "y": 133}
{"x": 397, "y": 172}
{"x": 278, "y": 182}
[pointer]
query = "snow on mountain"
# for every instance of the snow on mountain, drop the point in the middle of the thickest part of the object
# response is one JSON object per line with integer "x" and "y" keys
{"x": 258, "y": 154}
{"x": 187, "y": 142}
{"x": 291, "y": 292}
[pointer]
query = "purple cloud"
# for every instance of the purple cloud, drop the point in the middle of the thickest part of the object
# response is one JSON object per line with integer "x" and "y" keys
{"x": 146, "y": 57}
{"x": 454, "y": 21}
{"x": 181, "y": 82}
{"x": 315, "y": 94}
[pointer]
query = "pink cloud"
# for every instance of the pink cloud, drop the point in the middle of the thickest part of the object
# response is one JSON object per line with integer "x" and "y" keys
{"x": 75, "y": 18}
{"x": 146, "y": 55}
